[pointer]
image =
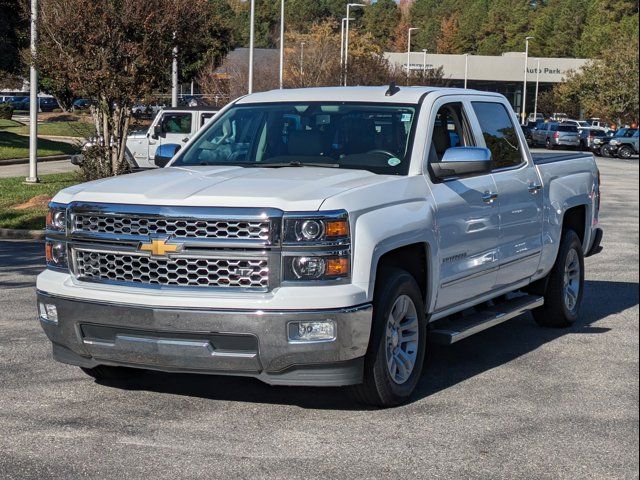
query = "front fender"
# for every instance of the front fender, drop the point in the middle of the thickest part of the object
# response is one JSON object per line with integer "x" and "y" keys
{"x": 382, "y": 230}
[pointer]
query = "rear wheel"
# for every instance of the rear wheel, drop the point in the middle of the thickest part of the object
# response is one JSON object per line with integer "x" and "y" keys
{"x": 548, "y": 144}
{"x": 565, "y": 285}
{"x": 106, "y": 372}
{"x": 397, "y": 347}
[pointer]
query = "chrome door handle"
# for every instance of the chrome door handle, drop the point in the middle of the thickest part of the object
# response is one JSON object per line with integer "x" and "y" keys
{"x": 185, "y": 139}
{"x": 489, "y": 197}
{"x": 534, "y": 188}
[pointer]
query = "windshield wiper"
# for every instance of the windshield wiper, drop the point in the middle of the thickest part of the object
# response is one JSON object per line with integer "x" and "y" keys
{"x": 293, "y": 164}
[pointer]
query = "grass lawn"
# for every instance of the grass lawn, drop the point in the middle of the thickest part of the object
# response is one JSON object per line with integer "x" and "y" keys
{"x": 25, "y": 206}
{"x": 13, "y": 145}
{"x": 61, "y": 129}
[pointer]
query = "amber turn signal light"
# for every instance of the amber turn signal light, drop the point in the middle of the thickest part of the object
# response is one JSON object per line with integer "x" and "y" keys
{"x": 337, "y": 267}
{"x": 337, "y": 228}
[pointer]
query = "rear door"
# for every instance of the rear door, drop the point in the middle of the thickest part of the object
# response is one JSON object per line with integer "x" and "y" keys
{"x": 520, "y": 193}
{"x": 467, "y": 215}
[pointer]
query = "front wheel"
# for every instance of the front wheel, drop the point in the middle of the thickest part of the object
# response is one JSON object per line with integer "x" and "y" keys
{"x": 398, "y": 343}
{"x": 565, "y": 285}
{"x": 625, "y": 152}
{"x": 607, "y": 151}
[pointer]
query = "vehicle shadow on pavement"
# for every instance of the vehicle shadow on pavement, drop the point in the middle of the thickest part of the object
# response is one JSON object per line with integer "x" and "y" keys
{"x": 25, "y": 261}
{"x": 445, "y": 368}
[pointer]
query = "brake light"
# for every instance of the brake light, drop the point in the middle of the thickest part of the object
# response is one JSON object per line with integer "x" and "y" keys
{"x": 556, "y": 135}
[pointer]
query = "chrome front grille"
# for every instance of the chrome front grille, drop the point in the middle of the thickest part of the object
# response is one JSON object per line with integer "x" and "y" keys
{"x": 177, "y": 227}
{"x": 183, "y": 270}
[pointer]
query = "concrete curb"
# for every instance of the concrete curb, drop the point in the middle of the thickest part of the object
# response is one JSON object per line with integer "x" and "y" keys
{"x": 16, "y": 161}
{"x": 16, "y": 234}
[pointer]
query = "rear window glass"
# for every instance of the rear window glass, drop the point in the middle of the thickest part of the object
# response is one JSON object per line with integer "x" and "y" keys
{"x": 567, "y": 128}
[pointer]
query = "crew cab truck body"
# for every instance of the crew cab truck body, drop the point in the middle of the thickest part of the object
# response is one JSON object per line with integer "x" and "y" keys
{"x": 317, "y": 237}
{"x": 170, "y": 126}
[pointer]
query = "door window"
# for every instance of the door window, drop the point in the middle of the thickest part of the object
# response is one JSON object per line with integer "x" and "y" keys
{"x": 499, "y": 134}
{"x": 206, "y": 116}
{"x": 450, "y": 129}
{"x": 176, "y": 123}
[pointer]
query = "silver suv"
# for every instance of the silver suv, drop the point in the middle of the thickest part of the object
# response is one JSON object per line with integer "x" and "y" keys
{"x": 553, "y": 135}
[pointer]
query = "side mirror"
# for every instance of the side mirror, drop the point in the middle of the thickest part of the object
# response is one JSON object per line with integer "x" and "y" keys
{"x": 462, "y": 161}
{"x": 157, "y": 130}
{"x": 165, "y": 153}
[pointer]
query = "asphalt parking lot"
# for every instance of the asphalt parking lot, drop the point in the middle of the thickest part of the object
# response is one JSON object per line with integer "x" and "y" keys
{"x": 516, "y": 401}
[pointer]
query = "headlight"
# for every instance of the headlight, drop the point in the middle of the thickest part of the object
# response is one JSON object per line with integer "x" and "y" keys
{"x": 326, "y": 228}
{"x": 614, "y": 142}
{"x": 56, "y": 218}
{"x": 317, "y": 267}
{"x": 56, "y": 254}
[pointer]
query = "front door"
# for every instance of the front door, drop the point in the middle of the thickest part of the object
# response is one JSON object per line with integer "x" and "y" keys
{"x": 175, "y": 128}
{"x": 467, "y": 216}
{"x": 520, "y": 198}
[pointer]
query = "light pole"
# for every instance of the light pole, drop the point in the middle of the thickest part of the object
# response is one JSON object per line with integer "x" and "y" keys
{"x": 535, "y": 104}
{"x": 524, "y": 88}
{"x": 424, "y": 63}
{"x": 174, "y": 75}
{"x": 281, "y": 44}
{"x": 466, "y": 69}
{"x": 409, "y": 51}
{"x": 33, "y": 99}
{"x": 301, "y": 58}
{"x": 346, "y": 38}
{"x": 252, "y": 19}
{"x": 344, "y": 21}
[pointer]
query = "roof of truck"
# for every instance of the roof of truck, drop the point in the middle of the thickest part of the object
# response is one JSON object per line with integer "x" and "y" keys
{"x": 407, "y": 95}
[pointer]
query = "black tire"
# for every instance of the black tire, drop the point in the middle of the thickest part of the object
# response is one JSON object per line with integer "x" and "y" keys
{"x": 378, "y": 387}
{"x": 555, "y": 312}
{"x": 625, "y": 152}
{"x": 106, "y": 372}
{"x": 548, "y": 145}
{"x": 606, "y": 152}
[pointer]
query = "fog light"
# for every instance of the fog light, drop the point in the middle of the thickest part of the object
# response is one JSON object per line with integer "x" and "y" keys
{"x": 324, "y": 331}
{"x": 48, "y": 312}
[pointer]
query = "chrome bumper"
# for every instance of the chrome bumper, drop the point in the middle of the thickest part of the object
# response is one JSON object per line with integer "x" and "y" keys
{"x": 231, "y": 342}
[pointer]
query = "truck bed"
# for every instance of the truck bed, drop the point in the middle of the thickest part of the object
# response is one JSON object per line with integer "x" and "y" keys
{"x": 544, "y": 158}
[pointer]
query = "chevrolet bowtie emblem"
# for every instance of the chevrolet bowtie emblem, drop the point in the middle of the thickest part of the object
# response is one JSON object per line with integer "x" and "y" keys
{"x": 159, "y": 247}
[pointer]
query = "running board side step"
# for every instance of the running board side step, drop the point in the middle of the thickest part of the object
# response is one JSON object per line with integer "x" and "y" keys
{"x": 448, "y": 331}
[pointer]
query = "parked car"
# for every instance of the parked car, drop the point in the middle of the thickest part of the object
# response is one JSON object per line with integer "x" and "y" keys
{"x": 588, "y": 138}
{"x": 579, "y": 124}
{"x": 558, "y": 117}
{"x": 625, "y": 146}
{"x": 535, "y": 118}
{"x": 146, "y": 110}
{"x": 48, "y": 104}
{"x": 320, "y": 237}
{"x": 596, "y": 122}
{"x": 81, "y": 104}
{"x": 611, "y": 149}
{"x": 171, "y": 125}
{"x": 553, "y": 135}
{"x": 18, "y": 102}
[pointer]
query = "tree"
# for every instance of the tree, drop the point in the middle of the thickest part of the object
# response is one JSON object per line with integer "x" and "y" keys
{"x": 117, "y": 51}
{"x": 605, "y": 87}
{"x": 606, "y": 23}
{"x": 447, "y": 41}
{"x": 12, "y": 38}
{"x": 381, "y": 20}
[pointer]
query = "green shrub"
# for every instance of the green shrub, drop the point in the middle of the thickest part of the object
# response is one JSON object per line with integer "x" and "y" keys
{"x": 6, "y": 111}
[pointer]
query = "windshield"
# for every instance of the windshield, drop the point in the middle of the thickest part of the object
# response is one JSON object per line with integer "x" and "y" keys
{"x": 374, "y": 137}
{"x": 626, "y": 132}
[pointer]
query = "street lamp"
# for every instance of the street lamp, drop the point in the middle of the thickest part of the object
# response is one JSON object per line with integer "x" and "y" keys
{"x": 524, "y": 88}
{"x": 409, "y": 50}
{"x": 466, "y": 69}
{"x": 301, "y": 57}
{"x": 252, "y": 20}
{"x": 535, "y": 105}
{"x": 424, "y": 63}
{"x": 346, "y": 39}
{"x": 281, "y": 44}
{"x": 33, "y": 99}
{"x": 344, "y": 21}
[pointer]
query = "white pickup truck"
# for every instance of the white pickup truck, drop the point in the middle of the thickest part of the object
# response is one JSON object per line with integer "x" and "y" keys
{"x": 173, "y": 126}
{"x": 320, "y": 237}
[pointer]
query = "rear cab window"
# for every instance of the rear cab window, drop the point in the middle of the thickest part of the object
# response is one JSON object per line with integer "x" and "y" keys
{"x": 500, "y": 134}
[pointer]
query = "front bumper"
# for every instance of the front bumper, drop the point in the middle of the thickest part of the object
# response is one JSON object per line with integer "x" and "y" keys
{"x": 231, "y": 342}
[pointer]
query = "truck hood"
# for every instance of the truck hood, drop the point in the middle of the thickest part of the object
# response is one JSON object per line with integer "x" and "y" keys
{"x": 287, "y": 188}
